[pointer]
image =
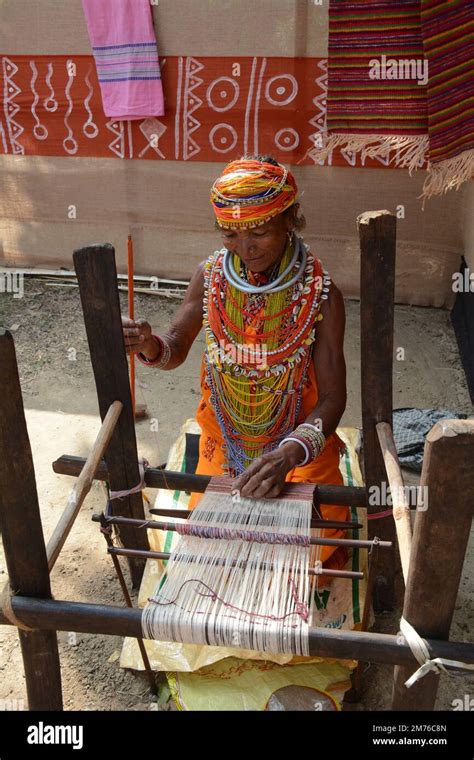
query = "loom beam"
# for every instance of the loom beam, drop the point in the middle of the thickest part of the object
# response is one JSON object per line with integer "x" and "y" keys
{"x": 384, "y": 648}
{"x": 157, "y": 477}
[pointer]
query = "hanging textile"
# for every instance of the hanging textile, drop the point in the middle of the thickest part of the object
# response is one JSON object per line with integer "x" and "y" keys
{"x": 401, "y": 77}
{"x": 126, "y": 56}
{"x": 448, "y": 41}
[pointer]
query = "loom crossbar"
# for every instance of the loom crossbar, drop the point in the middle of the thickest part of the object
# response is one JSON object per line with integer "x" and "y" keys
{"x": 55, "y": 615}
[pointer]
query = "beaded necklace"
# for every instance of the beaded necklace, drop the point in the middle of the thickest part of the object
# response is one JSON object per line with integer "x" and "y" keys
{"x": 258, "y": 349}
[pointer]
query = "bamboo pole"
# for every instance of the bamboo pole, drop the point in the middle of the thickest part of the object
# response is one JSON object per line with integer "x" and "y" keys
{"x": 385, "y": 648}
{"x": 82, "y": 485}
{"x": 401, "y": 507}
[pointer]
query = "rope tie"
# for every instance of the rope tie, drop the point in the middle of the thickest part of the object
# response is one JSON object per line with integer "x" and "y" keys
{"x": 420, "y": 651}
{"x": 143, "y": 465}
{"x": 7, "y": 608}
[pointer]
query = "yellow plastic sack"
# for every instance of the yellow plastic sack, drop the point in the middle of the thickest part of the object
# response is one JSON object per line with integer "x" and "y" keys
{"x": 235, "y": 684}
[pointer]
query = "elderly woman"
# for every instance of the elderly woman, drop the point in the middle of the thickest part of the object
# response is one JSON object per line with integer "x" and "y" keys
{"x": 273, "y": 376}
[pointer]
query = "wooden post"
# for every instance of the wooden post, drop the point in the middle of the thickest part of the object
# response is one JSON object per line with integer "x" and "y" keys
{"x": 97, "y": 277}
{"x": 25, "y": 550}
{"x": 440, "y": 539}
{"x": 377, "y": 232}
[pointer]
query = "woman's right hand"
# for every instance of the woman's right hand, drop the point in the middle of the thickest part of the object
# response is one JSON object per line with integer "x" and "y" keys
{"x": 138, "y": 338}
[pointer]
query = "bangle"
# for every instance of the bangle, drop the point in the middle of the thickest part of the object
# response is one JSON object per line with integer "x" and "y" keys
{"x": 302, "y": 443}
{"x": 314, "y": 435}
{"x": 311, "y": 439}
{"x": 163, "y": 357}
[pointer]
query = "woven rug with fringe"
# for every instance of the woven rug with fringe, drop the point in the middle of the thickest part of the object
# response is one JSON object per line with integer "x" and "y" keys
{"x": 401, "y": 82}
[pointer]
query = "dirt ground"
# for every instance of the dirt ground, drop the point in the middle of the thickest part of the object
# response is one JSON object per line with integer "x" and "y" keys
{"x": 62, "y": 416}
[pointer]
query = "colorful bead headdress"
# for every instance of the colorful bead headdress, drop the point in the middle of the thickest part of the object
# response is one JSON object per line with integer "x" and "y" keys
{"x": 250, "y": 193}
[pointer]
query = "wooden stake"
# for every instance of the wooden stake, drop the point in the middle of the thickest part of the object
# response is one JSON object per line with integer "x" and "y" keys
{"x": 25, "y": 551}
{"x": 439, "y": 545}
{"x": 97, "y": 277}
{"x": 377, "y": 232}
{"x": 83, "y": 485}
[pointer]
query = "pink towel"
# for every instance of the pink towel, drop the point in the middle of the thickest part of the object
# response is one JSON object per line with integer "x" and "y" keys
{"x": 124, "y": 45}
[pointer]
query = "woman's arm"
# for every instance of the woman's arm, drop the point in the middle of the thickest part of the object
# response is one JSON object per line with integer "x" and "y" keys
{"x": 330, "y": 365}
{"x": 182, "y": 332}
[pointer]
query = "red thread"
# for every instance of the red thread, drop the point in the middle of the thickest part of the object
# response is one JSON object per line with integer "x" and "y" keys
{"x": 379, "y": 515}
{"x": 301, "y": 608}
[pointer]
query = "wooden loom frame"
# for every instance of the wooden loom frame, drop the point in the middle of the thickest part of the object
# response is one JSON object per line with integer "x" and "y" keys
{"x": 449, "y": 447}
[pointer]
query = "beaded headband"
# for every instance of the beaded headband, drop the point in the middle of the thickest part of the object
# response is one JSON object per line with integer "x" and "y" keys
{"x": 250, "y": 193}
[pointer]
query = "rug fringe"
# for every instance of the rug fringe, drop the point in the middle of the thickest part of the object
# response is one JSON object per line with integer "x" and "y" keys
{"x": 411, "y": 153}
{"x": 448, "y": 174}
{"x": 411, "y": 150}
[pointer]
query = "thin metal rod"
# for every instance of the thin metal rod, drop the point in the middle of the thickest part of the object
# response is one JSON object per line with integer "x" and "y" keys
{"x": 166, "y": 555}
{"x": 369, "y": 591}
{"x": 141, "y": 645}
{"x": 313, "y": 541}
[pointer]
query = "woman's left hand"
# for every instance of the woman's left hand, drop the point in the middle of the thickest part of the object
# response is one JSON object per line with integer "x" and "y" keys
{"x": 265, "y": 477}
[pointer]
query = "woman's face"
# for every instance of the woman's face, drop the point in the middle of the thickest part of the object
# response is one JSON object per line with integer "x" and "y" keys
{"x": 261, "y": 247}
